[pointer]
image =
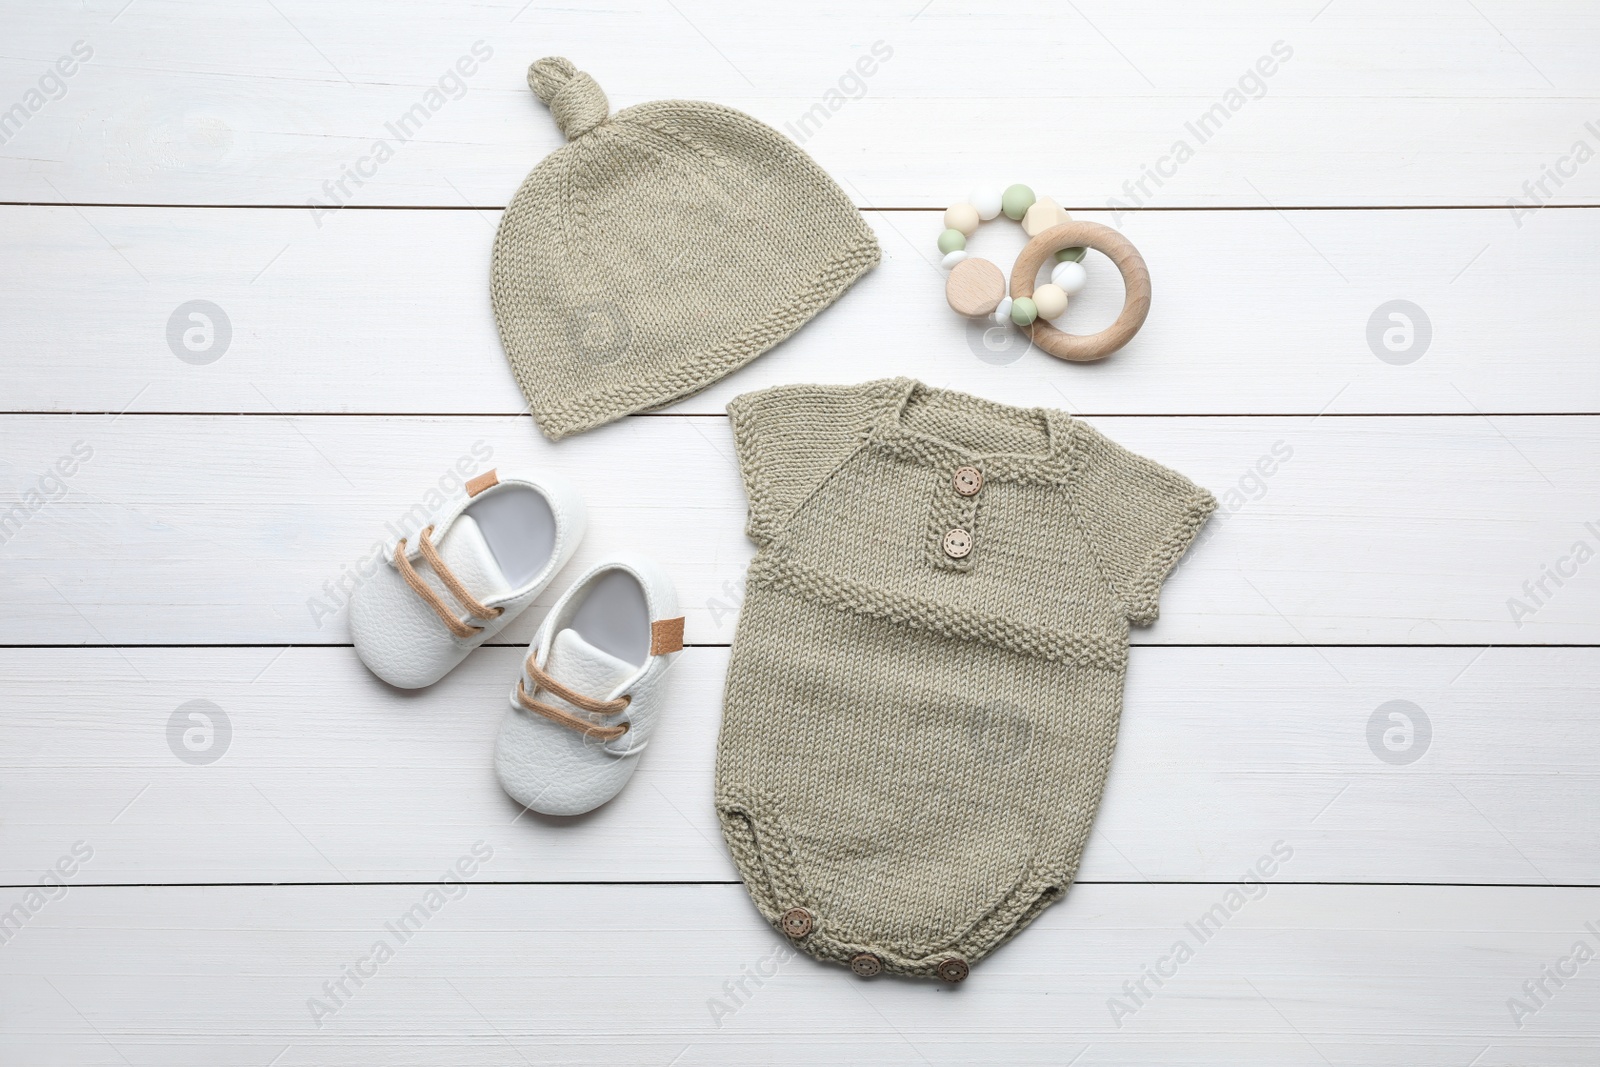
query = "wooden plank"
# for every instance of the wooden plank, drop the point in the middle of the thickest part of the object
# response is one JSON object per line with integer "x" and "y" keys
{"x": 220, "y": 103}
{"x": 1299, "y": 976}
{"x": 228, "y": 529}
{"x": 318, "y": 773}
{"x": 387, "y": 311}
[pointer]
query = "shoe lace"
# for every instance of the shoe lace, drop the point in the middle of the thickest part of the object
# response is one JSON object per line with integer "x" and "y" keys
{"x": 471, "y": 603}
{"x": 543, "y": 681}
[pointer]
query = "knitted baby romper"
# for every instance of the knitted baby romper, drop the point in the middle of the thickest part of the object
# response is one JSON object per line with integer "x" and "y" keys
{"x": 928, "y": 669}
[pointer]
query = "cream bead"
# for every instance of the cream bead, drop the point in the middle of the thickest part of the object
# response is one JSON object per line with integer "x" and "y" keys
{"x": 953, "y": 258}
{"x": 1051, "y": 301}
{"x": 1043, "y": 214}
{"x": 1070, "y": 276}
{"x": 986, "y": 201}
{"x": 1002, "y": 314}
{"x": 963, "y": 217}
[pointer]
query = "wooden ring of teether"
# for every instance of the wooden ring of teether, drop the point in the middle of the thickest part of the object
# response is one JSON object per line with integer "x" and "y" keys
{"x": 1135, "y": 282}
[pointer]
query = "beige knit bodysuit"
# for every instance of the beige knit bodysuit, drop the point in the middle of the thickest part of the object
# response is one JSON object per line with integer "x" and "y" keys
{"x": 928, "y": 670}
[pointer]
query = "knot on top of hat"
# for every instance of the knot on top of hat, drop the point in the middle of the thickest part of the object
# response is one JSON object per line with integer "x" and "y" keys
{"x": 576, "y": 101}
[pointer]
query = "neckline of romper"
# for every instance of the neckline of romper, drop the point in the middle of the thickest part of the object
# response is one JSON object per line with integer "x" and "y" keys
{"x": 1053, "y": 465}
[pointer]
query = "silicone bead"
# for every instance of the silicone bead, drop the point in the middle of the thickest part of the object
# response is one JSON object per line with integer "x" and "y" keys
{"x": 1044, "y": 214}
{"x": 952, "y": 241}
{"x": 1050, "y": 300}
{"x": 1070, "y": 276}
{"x": 1002, "y": 314}
{"x": 1016, "y": 201}
{"x": 987, "y": 201}
{"x": 953, "y": 258}
{"x": 963, "y": 217}
{"x": 1074, "y": 254}
{"x": 1024, "y": 310}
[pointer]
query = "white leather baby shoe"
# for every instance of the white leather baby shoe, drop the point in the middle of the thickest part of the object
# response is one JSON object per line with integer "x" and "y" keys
{"x": 591, "y": 688}
{"x": 467, "y": 576}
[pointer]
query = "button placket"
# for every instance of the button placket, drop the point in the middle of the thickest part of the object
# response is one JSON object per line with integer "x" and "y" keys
{"x": 953, "y": 518}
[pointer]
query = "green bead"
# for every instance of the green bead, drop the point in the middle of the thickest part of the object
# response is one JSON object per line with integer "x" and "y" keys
{"x": 1024, "y": 310}
{"x": 1071, "y": 255}
{"x": 952, "y": 241}
{"x": 1016, "y": 201}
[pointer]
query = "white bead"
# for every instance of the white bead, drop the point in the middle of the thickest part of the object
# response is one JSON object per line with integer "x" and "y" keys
{"x": 953, "y": 258}
{"x": 1002, "y": 314}
{"x": 1070, "y": 276}
{"x": 1051, "y": 301}
{"x": 961, "y": 217}
{"x": 986, "y": 200}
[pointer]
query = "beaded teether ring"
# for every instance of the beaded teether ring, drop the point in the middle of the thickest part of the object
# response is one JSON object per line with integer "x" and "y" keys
{"x": 976, "y": 287}
{"x": 1135, "y": 284}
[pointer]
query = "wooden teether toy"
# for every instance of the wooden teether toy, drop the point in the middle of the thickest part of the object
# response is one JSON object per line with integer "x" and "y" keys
{"x": 976, "y": 287}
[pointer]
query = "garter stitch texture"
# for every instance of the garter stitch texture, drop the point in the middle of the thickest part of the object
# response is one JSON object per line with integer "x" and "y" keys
{"x": 913, "y": 747}
{"x": 660, "y": 249}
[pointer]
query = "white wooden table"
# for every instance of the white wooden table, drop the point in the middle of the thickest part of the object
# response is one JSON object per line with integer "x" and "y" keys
{"x": 1442, "y": 866}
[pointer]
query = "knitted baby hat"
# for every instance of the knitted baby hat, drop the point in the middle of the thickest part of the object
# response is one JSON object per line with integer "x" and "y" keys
{"x": 660, "y": 249}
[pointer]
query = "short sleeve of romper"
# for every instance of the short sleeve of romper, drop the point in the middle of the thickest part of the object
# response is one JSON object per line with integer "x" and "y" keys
{"x": 790, "y": 438}
{"x": 914, "y": 738}
{"x": 1140, "y": 518}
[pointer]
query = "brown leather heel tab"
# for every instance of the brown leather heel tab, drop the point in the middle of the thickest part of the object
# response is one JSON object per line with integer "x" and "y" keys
{"x": 482, "y": 482}
{"x": 666, "y": 635}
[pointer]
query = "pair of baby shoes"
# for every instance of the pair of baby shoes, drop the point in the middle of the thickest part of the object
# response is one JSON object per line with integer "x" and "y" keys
{"x": 589, "y": 694}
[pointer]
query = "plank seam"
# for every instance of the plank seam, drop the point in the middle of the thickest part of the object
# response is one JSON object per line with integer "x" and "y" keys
{"x": 719, "y": 415}
{"x": 719, "y": 882}
{"x": 691, "y": 644}
{"x": 1129, "y": 210}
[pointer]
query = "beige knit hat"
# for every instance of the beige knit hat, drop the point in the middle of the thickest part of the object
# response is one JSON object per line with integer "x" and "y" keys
{"x": 660, "y": 249}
